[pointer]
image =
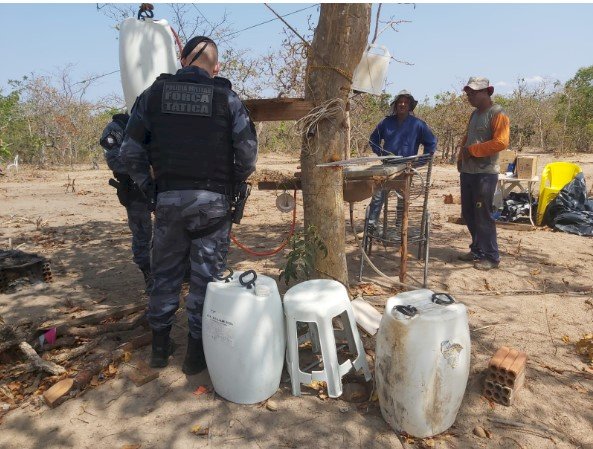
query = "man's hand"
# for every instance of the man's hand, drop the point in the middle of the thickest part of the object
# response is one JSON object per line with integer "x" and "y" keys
{"x": 150, "y": 193}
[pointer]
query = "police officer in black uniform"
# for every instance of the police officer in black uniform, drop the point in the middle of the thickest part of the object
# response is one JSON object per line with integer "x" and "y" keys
{"x": 129, "y": 195}
{"x": 196, "y": 134}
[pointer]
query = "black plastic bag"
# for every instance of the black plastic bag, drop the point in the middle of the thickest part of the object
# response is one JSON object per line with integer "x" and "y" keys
{"x": 516, "y": 206}
{"x": 571, "y": 211}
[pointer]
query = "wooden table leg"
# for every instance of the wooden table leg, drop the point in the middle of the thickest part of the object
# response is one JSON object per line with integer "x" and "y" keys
{"x": 403, "y": 267}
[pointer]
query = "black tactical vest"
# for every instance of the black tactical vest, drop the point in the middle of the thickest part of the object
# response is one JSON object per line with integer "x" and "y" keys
{"x": 190, "y": 145}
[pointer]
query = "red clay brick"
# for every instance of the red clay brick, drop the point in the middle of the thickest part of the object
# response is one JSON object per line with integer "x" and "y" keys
{"x": 509, "y": 359}
{"x": 518, "y": 365}
{"x": 497, "y": 359}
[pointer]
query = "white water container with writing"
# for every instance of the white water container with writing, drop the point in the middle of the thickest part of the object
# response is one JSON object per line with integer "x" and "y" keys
{"x": 422, "y": 362}
{"x": 244, "y": 337}
{"x": 146, "y": 49}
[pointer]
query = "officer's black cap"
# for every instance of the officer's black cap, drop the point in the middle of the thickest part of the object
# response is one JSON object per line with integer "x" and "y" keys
{"x": 193, "y": 43}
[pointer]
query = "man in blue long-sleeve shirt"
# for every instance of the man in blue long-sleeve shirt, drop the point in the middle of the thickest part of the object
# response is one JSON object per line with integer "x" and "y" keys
{"x": 401, "y": 134}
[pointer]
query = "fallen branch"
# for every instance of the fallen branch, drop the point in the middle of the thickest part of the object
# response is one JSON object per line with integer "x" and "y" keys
{"x": 38, "y": 362}
{"x": 60, "y": 343}
{"x": 525, "y": 292}
{"x": 10, "y": 337}
{"x": 84, "y": 377}
{"x": 95, "y": 318}
{"x": 137, "y": 342}
{"x": 523, "y": 427}
{"x": 486, "y": 327}
{"x": 550, "y": 332}
{"x": 77, "y": 352}
{"x": 90, "y": 332}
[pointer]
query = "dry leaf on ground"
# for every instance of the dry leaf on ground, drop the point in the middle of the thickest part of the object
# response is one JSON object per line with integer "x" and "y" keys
{"x": 200, "y": 430}
{"x": 202, "y": 389}
{"x": 585, "y": 347}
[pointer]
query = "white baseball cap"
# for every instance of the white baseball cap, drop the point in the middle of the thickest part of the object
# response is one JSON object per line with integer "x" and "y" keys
{"x": 479, "y": 83}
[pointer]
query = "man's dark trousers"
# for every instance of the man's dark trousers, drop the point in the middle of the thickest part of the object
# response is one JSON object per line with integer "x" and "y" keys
{"x": 477, "y": 196}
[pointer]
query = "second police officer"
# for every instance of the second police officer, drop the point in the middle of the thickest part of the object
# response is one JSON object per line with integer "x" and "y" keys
{"x": 129, "y": 195}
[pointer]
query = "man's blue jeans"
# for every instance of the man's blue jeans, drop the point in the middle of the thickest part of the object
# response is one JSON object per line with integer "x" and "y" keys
{"x": 477, "y": 196}
{"x": 376, "y": 205}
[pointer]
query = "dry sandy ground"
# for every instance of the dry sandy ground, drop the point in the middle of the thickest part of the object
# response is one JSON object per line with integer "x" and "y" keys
{"x": 86, "y": 236}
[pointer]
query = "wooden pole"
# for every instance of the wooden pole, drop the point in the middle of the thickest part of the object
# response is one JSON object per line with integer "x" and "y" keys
{"x": 403, "y": 267}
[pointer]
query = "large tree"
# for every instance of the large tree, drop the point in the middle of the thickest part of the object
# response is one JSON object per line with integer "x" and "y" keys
{"x": 338, "y": 43}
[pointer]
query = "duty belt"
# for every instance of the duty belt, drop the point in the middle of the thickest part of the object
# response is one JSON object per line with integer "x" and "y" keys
{"x": 188, "y": 184}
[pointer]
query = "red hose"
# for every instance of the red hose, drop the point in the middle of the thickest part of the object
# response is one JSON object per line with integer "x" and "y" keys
{"x": 276, "y": 250}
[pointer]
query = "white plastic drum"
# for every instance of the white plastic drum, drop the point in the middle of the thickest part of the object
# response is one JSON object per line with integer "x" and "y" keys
{"x": 146, "y": 49}
{"x": 422, "y": 362}
{"x": 244, "y": 337}
{"x": 371, "y": 73}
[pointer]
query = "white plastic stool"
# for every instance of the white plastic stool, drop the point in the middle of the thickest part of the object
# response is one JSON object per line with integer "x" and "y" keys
{"x": 319, "y": 301}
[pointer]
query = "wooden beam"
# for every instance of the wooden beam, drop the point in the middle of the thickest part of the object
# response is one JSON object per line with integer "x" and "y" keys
{"x": 277, "y": 109}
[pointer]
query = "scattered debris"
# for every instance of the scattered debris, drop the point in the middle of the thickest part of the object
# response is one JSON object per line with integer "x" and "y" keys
{"x": 481, "y": 432}
{"x": 202, "y": 389}
{"x": 142, "y": 373}
{"x": 456, "y": 220}
{"x": 38, "y": 362}
{"x": 452, "y": 199}
{"x": 200, "y": 430}
{"x": 354, "y": 392}
{"x": 17, "y": 265}
{"x": 366, "y": 315}
{"x": 58, "y": 392}
{"x": 584, "y": 347}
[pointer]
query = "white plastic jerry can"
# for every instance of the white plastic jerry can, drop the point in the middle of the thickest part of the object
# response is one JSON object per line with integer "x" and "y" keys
{"x": 146, "y": 49}
{"x": 422, "y": 362}
{"x": 371, "y": 72}
{"x": 244, "y": 337}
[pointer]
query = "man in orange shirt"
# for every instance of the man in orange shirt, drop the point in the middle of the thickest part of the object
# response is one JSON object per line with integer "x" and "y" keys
{"x": 477, "y": 161}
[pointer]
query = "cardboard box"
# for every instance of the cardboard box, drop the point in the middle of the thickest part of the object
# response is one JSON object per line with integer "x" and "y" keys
{"x": 506, "y": 157}
{"x": 526, "y": 167}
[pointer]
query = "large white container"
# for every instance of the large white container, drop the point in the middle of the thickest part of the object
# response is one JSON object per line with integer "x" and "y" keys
{"x": 244, "y": 338}
{"x": 146, "y": 49}
{"x": 422, "y": 362}
{"x": 371, "y": 72}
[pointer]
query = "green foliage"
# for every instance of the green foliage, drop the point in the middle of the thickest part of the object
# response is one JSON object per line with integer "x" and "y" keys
{"x": 299, "y": 262}
{"x": 448, "y": 120}
{"x": 576, "y": 109}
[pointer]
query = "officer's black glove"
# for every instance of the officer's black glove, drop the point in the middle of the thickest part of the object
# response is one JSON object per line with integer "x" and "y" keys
{"x": 241, "y": 192}
{"x": 150, "y": 193}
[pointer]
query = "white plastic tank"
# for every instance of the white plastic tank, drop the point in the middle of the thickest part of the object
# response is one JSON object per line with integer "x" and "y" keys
{"x": 244, "y": 337}
{"x": 422, "y": 362}
{"x": 371, "y": 72}
{"x": 146, "y": 49}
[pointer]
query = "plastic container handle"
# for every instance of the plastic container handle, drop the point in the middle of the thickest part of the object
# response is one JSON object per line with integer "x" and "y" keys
{"x": 251, "y": 282}
{"x": 407, "y": 310}
{"x": 442, "y": 299}
{"x": 381, "y": 48}
{"x": 227, "y": 278}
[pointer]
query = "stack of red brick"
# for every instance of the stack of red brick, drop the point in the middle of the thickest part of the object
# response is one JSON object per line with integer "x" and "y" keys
{"x": 505, "y": 376}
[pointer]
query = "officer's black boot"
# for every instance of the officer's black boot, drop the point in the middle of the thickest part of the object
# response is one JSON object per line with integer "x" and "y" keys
{"x": 195, "y": 361}
{"x": 162, "y": 348}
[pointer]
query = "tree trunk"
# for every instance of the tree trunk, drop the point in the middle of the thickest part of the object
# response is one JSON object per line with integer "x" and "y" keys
{"x": 339, "y": 41}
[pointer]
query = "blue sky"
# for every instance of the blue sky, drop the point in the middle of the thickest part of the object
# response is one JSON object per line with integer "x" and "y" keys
{"x": 445, "y": 42}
